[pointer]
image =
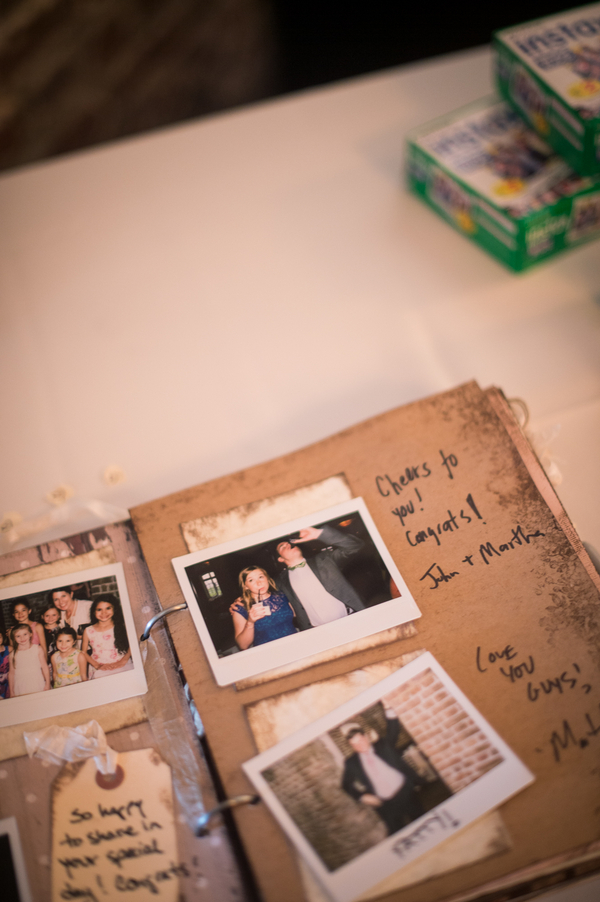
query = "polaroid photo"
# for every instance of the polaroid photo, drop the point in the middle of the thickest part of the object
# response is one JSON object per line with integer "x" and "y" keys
{"x": 385, "y": 777}
{"x": 67, "y": 643}
{"x": 293, "y": 590}
{"x": 15, "y": 885}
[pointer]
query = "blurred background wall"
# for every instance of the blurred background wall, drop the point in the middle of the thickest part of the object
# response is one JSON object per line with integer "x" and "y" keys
{"x": 75, "y": 73}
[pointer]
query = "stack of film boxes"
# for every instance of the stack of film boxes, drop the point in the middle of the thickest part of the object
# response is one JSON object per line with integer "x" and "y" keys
{"x": 521, "y": 175}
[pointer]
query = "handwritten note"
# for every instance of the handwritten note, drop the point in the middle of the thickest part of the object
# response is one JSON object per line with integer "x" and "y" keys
{"x": 508, "y": 665}
{"x": 456, "y": 528}
{"x": 440, "y": 821}
{"x": 521, "y": 669}
{"x": 115, "y": 838}
{"x": 435, "y": 534}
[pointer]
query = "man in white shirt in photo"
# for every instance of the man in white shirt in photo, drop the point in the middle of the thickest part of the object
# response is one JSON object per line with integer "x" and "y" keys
{"x": 377, "y": 775}
{"x": 315, "y": 586}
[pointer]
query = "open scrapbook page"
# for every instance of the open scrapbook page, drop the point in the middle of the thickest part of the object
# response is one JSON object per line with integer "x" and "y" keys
{"x": 456, "y": 517}
{"x": 390, "y": 638}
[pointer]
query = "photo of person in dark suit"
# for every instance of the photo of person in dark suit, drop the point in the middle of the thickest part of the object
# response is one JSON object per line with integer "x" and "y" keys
{"x": 315, "y": 586}
{"x": 377, "y": 775}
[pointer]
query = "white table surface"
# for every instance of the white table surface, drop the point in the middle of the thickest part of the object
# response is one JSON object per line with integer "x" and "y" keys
{"x": 209, "y": 296}
{"x": 206, "y": 297}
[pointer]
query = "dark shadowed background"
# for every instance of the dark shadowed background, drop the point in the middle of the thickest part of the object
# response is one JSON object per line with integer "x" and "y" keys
{"x": 75, "y": 73}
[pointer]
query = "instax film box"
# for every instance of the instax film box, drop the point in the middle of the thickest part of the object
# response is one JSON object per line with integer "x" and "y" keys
{"x": 496, "y": 181}
{"x": 549, "y": 70}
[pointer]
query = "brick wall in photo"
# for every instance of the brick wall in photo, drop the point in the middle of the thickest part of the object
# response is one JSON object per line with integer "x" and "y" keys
{"x": 452, "y": 741}
{"x": 103, "y": 586}
{"x": 308, "y": 784}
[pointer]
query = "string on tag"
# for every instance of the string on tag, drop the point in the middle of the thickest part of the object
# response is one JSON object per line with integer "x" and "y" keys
{"x": 58, "y": 744}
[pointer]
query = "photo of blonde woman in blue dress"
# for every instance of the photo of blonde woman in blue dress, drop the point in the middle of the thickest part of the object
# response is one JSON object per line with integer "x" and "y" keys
{"x": 262, "y": 614}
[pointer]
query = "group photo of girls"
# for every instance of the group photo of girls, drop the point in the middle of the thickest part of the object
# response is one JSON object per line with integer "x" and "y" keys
{"x": 60, "y": 638}
{"x": 66, "y": 635}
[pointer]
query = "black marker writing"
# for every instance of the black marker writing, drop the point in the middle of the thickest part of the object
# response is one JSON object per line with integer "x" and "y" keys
{"x": 438, "y": 578}
{"x": 561, "y": 742}
{"x": 507, "y": 654}
{"x": 404, "y": 510}
{"x": 594, "y": 730}
{"x": 449, "y": 461}
{"x": 97, "y": 836}
{"x": 74, "y": 892}
{"x": 556, "y": 684}
{"x": 118, "y": 856}
{"x": 122, "y": 811}
{"x": 517, "y": 671}
{"x": 385, "y": 483}
{"x": 487, "y": 550}
{"x": 77, "y": 816}
{"x": 445, "y": 526}
{"x": 73, "y": 864}
{"x": 443, "y": 820}
{"x": 565, "y": 737}
{"x": 150, "y": 881}
{"x": 473, "y": 506}
{"x": 451, "y": 524}
{"x": 563, "y": 682}
{"x": 71, "y": 841}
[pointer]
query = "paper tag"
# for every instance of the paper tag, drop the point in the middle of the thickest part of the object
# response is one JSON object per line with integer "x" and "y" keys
{"x": 114, "y": 836}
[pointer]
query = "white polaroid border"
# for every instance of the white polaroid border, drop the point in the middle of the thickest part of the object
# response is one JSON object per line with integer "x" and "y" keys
{"x": 394, "y": 852}
{"x": 8, "y": 827}
{"x": 38, "y": 705}
{"x": 283, "y": 651}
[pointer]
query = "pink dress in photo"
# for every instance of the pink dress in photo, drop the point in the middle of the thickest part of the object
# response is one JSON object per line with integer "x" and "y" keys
{"x": 102, "y": 649}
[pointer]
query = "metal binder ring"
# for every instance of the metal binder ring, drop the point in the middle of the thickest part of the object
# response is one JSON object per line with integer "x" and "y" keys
{"x": 171, "y": 610}
{"x": 202, "y": 825}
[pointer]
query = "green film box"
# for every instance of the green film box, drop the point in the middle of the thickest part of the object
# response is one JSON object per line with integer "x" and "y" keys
{"x": 549, "y": 70}
{"x": 496, "y": 181}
